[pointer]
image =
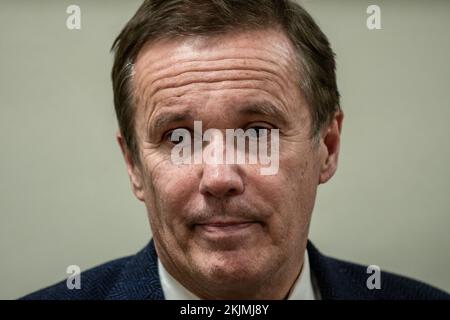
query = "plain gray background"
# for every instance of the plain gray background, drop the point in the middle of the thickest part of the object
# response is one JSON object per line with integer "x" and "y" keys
{"x": 64, "y": 193}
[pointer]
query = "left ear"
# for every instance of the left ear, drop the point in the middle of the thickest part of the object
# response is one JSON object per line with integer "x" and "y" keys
{"x": 330, "y": 141}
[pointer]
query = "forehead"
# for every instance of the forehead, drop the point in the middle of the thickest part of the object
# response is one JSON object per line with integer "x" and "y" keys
{"x": 169, "y": 70}
{"x": 264, "y": 43}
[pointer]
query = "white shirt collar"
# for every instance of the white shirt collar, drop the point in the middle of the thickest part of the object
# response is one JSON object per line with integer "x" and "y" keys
{"x": 302, "y": 290}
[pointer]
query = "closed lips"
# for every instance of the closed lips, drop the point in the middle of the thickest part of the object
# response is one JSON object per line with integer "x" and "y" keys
{"x": 229, "y": 225}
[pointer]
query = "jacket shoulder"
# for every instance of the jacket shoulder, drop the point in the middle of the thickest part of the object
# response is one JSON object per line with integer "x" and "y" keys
{"x": 338, "y": 279}
{"x": 391, "y": 286}
{"x": 95, "y": 284}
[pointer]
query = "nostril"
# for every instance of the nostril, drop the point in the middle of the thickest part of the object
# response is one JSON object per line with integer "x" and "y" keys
{"x": 221, "y": 181}
{"x": 216, "y": 192}
{"x": 232, "y": 192}
{"x": 219, "y": 190}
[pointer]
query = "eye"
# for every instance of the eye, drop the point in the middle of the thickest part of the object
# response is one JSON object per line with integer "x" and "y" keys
{"x": 176, "y": 136}
{"x": 258, "y": 131}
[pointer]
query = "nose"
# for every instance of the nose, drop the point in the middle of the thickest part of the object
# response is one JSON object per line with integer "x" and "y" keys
{"x": 221, "y": 181}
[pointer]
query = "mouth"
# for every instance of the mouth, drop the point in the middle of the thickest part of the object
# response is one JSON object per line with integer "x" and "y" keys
{"x": 221, "y": 229}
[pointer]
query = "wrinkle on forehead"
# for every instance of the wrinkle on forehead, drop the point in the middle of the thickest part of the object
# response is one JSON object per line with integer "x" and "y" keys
{"x": 262, "y": 60}
{"x": 273, "y": 40}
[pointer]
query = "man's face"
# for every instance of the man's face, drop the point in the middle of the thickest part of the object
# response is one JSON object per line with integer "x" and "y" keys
{"x": 225, "y": 227}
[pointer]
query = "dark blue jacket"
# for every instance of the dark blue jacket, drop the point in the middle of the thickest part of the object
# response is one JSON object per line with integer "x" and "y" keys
{"x": 136, "y": 277}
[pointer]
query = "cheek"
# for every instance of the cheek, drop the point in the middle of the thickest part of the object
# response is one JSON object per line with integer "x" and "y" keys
{"x": 299, "y": 166}
{"x": 169, "y": 188}
{"x": 301, "y": 185}
{"x": 293, "y": 191}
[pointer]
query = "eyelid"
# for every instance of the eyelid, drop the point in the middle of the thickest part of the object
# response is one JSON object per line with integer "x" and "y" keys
{"x": 166, "y": 134}
{"x": 258, "y": 127}
{"x": 261, "y": 124}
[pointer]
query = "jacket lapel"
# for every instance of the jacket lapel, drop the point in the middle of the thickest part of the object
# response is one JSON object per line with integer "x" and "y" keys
{"x": 337, "y": 280}
{"x": 139, "y": 279}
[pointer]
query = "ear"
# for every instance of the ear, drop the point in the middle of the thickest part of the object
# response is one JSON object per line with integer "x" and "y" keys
{"x": 330, "y": 143}
{"x": 134, "y": 171}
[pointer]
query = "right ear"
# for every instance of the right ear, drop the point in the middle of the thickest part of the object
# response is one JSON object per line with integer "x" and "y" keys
{"x": 134, "y": 171}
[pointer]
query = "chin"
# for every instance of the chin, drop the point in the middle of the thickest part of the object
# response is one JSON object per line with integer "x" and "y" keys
{"x": 231, "y": 267}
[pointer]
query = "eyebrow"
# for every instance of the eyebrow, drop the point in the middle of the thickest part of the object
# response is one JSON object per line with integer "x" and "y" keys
{"x": 265, "y": 109}
{"x": 262, "y": 108}
{"x": 167, "y": 118}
